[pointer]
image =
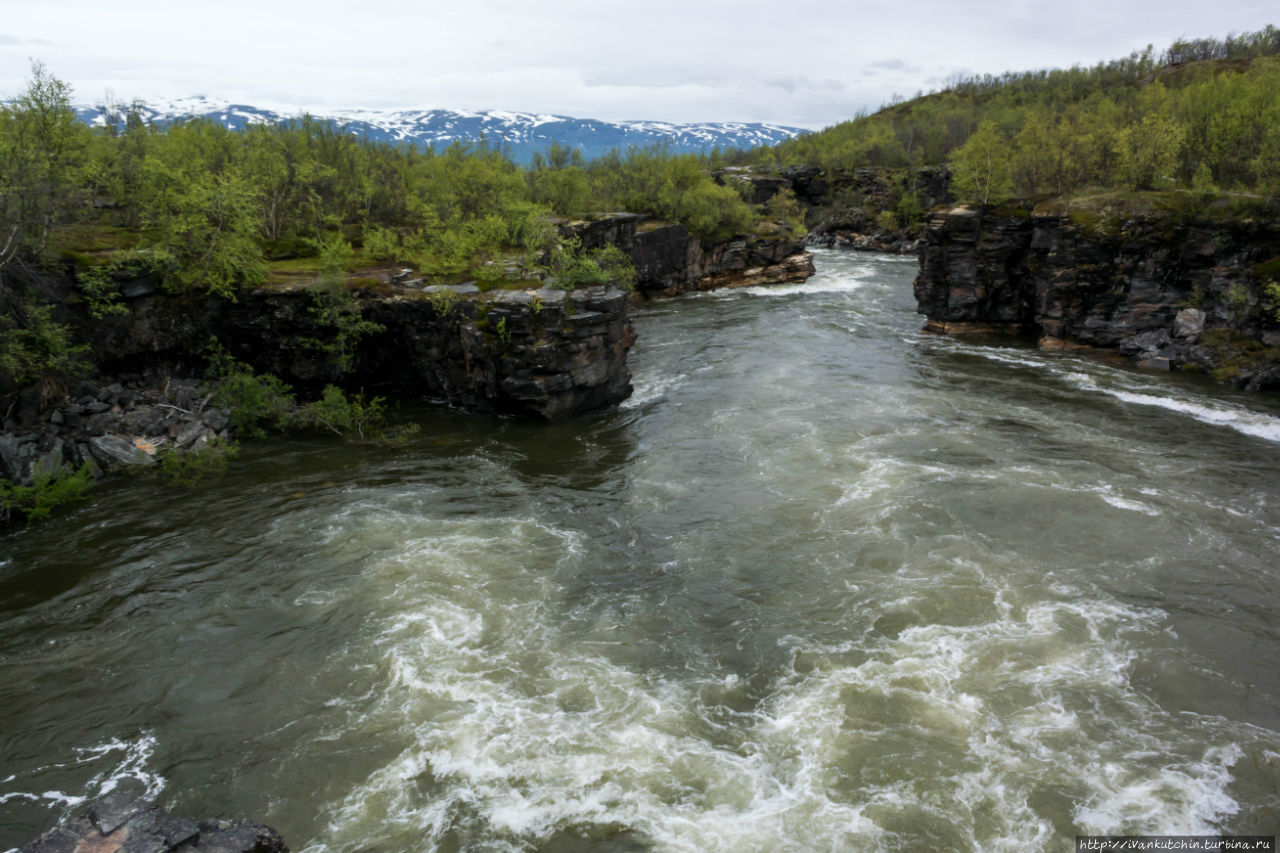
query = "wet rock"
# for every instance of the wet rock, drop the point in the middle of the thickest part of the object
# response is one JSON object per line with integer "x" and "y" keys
{"x": 116, "y": 451}
{"x": 16, "y": 455}
{"x": 1146, "y": 344}
{"x": 1189, "y": 324}
{"x": 120, "y": 824}
{"x": 135, "y": 289}
{"x": 216, "y": 419}
{"x": 669, "y": 260}
{"x": 1266, "y": 379}
{"x": 189, "y": 434}
{"x": 146, "y": 420}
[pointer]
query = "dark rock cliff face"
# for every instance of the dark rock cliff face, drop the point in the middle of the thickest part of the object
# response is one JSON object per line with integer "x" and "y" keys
{"x": 545, "y": 353}
{"x": 842, "y": 206}
{"x": 1169, "y": 290}
{"x": 670, "y": 261}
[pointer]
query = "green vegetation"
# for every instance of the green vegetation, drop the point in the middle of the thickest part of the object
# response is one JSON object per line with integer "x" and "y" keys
{"x": 1272, "y": 289}
{"x": 190, "y": 468}
{"x": 1201, "y": 115}
{"x": 195, "y": 208}
{"x": 354, "y": 418}
{"x": 571, "y": 267}
{"x": 260, "y": 403}
{"x": 1237, "y": 353}
{"x": 35, "y": 350}
{"x": 257, "y": 402}
{"x": 49, "y": 490}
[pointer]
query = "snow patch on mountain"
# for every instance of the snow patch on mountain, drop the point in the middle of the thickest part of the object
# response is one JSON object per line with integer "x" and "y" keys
{"x": 518, "y": 134}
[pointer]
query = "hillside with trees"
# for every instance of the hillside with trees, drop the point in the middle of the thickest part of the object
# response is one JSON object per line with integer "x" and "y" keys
{"x": 205, "y": 209}
{"x": 1200, "y": 114}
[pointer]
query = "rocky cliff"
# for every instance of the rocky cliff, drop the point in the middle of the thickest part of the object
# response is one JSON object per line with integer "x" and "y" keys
{"x": 844, "y": 208}
{"x": 541, "y": 353}
{"x": 535, "y": 352}
{"x": 1170, "y": 286}
{"x": 669, "y": 260}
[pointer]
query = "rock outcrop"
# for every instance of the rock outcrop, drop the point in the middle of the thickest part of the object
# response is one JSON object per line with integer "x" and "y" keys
{"x": 669, "y": 260}
{"x": 1166, "y": 288}
{"x": 843, "y": 208}
{"x": 120, "y": 824}
{"x": 544, "y": 353}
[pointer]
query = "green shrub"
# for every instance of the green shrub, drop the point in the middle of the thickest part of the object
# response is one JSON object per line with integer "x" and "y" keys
{"x": 382, "y": 244}
{"x": 256, "y": 401}
{"x": 571, "y": 267}
{"x": 49, "y": 490}
{"x": 353, "y": 417}
{"x": 785, "y": 209}
{"x": 1272, "y": 290}
{"x": 35, "y": 349}
{"x": 443, "y": 302}
{"x": 189, "y": 468}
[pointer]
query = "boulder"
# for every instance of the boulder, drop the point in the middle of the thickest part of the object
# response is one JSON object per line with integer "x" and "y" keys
{"x": 119, "y": 823}
{"x": 1188, "y": 325}
{"x": 116, "y": 451}
{"x": 1146, "y": 344}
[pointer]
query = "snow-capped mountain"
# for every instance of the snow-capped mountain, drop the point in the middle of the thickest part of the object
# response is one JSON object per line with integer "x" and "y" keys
{"x": 518, "y": 134}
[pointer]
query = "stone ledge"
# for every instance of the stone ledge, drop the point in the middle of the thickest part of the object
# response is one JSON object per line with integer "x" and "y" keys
{"x": 119, "y": 823}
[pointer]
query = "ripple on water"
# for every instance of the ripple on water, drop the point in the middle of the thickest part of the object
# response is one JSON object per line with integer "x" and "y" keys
{"x": 831, "y": 584}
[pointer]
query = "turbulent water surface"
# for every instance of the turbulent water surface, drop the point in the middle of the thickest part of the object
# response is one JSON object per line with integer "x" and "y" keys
{"x": 823, "y": 583}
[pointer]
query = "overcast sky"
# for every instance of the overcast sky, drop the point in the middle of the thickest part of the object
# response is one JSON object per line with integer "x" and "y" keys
{"x": 794, "y": 62}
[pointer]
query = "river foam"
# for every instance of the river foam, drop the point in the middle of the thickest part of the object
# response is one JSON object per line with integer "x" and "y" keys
{"x": 827, "y": 584}
{"x": 518, "y": 733}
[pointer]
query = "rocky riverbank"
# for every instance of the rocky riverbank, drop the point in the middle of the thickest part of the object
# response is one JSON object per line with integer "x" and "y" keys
{"x": 129, "y": 422}
{"x": 669, "y": 260}
{"x": 543, "y": 353}
{"x": 121, "y": 824}
{"x": 1170, "y": 288}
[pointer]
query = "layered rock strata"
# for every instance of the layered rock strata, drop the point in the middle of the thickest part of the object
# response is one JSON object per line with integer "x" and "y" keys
{"x": 843, "y": 207}
{"x": 1169, "y": 290}
{"x": 669, "y": 260}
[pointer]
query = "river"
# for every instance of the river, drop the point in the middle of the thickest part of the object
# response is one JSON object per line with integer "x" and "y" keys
{"x": 823, "y": 583}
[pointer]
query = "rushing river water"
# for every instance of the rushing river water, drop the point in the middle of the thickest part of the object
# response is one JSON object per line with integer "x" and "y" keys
{"x": 823, "y": 583}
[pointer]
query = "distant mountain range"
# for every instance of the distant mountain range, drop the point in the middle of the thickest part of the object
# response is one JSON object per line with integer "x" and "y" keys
{"x": 519, "y": 135}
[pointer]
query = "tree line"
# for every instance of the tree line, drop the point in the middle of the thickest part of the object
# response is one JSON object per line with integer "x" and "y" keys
{"x": 202, "y": 208}
{"x": 1200, "y": 114}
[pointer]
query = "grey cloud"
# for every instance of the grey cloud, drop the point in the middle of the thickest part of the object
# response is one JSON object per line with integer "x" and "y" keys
{"x": 895, "y": 65}
{"x": 8, "y": 40}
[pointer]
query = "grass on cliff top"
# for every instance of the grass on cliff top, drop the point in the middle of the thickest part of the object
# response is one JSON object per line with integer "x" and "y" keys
{"x": 363, "y": 272}
{"x": 87, "y": 244}
{"x": 1100, "y": 206}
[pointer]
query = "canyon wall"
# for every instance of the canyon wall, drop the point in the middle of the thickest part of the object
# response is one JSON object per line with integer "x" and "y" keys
{"x": 669, "y": 260}
{"x": 1171, "y": 287}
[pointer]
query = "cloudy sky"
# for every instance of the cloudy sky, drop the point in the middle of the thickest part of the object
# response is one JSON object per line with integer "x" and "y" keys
{"x": 800, "y": 62}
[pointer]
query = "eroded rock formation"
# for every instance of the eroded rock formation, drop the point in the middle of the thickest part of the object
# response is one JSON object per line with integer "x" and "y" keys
{"x": 669, "y": 260}
{"x": 1167, "y": 288}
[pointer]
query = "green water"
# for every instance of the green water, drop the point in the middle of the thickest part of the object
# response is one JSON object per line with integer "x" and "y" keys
{"x": 824, "y": 583}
